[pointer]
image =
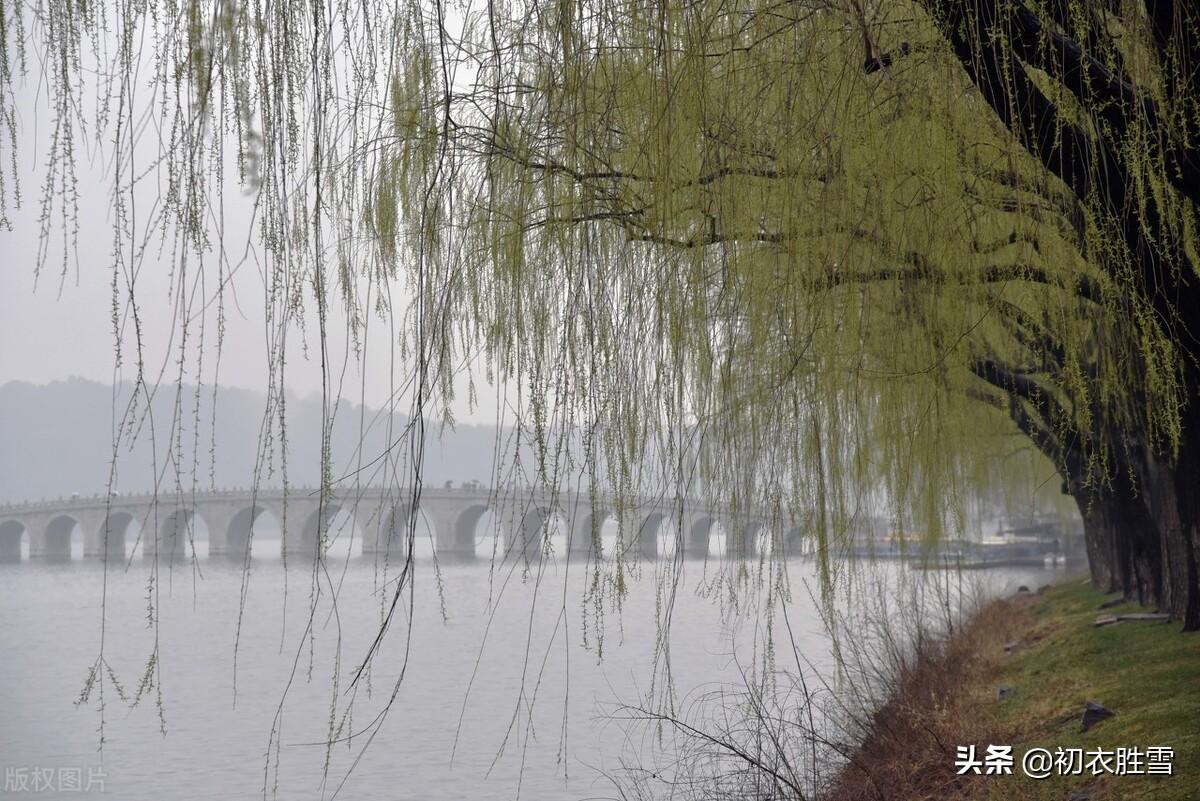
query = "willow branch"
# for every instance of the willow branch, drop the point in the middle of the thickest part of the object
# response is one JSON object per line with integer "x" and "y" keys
{"x": 1105, "y": 93}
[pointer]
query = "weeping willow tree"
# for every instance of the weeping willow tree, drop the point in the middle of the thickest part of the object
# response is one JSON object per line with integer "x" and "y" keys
{"x": 1103, "y": 99}
{"x": 802, "y": 257}
{"x": 794, "y": 256}
{"x": 849, "y": 235}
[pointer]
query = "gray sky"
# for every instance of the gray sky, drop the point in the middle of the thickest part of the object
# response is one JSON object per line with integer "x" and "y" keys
{"x": 59, "y": 323}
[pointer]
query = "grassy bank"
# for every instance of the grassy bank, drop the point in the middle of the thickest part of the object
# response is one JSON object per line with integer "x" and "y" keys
{"x": 1056, "y": 659}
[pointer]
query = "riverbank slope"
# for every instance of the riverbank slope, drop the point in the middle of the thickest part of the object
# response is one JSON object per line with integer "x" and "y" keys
{"x": 1020, "y": 673}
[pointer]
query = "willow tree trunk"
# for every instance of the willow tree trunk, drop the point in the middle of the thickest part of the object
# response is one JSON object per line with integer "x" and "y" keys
{"x": 1099, "y": 539}
{"x": 1172, "y": 494}
{"x": 1122, "y": 539}
{"x": 1181, "y": 543}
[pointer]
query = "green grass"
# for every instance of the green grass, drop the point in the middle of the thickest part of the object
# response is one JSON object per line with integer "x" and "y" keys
{"x": 1147, "y": 673}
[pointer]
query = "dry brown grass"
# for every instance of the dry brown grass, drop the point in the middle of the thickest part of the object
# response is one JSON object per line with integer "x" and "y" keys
{"x": 942, "y": 696}
{"x": 836, "y": 742}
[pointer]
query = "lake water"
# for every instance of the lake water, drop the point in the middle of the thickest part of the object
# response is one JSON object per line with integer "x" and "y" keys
{"x": 503, "y": 696}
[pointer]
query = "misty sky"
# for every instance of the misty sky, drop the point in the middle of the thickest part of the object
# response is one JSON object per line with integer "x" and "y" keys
{"x": 59, "y": 323}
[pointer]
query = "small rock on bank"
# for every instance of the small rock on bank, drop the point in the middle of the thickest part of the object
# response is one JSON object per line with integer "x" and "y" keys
{"x": 1153, "y": 617}
{"x": 1093, "y": 713}
{"x": 1092, "y": 792}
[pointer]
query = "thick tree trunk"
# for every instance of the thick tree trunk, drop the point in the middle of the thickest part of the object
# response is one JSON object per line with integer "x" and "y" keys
{"x": 1184, "y": 542}
{"x": 997, "y": 45}
{"x": 1098, "y": 540}
{"x": 1138, "y": 544}
{"x": 1171, "y": 492}
{"x": 1122, "y": 540}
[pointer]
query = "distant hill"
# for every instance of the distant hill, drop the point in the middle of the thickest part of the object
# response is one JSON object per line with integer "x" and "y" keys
{"x": 57, "y": 439}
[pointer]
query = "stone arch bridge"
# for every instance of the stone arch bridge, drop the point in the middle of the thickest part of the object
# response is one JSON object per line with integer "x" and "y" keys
{"x": 167, "y": 521}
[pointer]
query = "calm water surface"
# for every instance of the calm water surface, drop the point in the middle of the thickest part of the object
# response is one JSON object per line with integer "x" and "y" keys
{"x": 504, "y": 681}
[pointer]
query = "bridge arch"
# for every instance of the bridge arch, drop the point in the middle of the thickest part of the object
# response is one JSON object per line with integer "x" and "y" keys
{"x": 390, "y": 524}
{"x": 466, "y": 535}
{"x": 616, "y": 535}
{"x": 426, "y": 533}
{"x": 344, "y": 534}
{"x": 176, "y": 536}
{"x": 109, "y": 542}
{"x": 245, "y": 522}
{"x": 592, "y": 527}
{"x": 315, "y": 526}
{"x": 58, "y": 538}
{"x": 656, "y": 535}
{"x": 392, "y": 535}
{"x": 742, "y": 538}
{"x": 794, "y": 542}
{"x": 703, "y": 533}
{"x": 12, "y": 534}
{"x": 532, "y": 528}
{"x": 331, "y": 525}
{"x": 476, "y": 530}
